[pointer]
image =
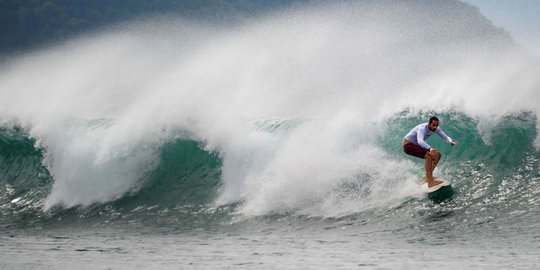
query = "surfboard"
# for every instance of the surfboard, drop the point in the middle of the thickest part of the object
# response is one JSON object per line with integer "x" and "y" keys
{"x": 439, "y": 193}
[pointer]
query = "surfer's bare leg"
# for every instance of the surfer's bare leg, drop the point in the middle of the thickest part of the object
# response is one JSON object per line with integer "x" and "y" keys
{"x": 436, "y": 156}
{"x": 432, "y": 159}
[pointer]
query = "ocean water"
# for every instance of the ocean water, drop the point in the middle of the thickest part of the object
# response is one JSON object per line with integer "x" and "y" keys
{"x": 272, "y": 143}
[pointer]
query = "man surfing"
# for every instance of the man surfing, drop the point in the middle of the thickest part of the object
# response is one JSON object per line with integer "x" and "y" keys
{"x": 414, "y": 144}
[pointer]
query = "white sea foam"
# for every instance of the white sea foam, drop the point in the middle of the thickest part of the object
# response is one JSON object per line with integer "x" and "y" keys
{"x": 102, "y": 105}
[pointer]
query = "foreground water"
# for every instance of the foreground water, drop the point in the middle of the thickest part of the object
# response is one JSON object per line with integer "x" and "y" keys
{"x": 435, "y": 237}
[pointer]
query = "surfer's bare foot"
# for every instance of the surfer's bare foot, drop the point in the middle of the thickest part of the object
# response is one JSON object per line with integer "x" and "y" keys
{"x": 434, "y": 182}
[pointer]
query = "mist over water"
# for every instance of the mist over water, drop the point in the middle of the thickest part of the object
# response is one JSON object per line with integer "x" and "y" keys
{"x": 295, "y": 104}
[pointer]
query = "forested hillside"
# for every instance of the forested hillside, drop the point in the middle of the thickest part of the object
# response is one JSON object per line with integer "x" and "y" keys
{"x": 26, "y": 24}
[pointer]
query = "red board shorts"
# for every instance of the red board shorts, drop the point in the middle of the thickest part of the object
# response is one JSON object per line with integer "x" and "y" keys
{"x": 414, "y": 150}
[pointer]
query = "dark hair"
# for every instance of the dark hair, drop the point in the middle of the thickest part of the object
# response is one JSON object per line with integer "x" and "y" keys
{"x": 433, "y": 118}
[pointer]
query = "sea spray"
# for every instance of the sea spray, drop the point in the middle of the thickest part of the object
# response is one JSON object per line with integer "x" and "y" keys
{"x": 102, "y": 107}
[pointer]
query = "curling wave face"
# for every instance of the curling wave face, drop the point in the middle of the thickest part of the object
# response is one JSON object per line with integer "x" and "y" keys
{"x": 298, "y": 112}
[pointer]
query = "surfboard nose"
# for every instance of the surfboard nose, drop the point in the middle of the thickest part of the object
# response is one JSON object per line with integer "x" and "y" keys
{"x": 439, "y": 193}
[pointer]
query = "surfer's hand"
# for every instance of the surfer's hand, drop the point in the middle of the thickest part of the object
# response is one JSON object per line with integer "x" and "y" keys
{"x": 453, "y": 143}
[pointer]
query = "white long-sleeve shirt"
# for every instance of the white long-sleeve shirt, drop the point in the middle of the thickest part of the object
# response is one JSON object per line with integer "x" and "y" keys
{"x": 419, "y": 134}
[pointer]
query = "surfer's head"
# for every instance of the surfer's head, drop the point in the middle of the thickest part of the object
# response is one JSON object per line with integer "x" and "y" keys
{"x": 433, "y": 123}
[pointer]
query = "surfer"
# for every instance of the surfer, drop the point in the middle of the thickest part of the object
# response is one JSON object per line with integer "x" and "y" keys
{"x": 414, "y": 144}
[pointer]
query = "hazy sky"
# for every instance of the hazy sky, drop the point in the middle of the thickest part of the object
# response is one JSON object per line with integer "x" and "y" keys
{"x": 521, "y": 18}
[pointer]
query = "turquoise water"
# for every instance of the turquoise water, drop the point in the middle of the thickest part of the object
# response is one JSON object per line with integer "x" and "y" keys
{"x": 169, "y": 144}
{"x": 172, "y": 220}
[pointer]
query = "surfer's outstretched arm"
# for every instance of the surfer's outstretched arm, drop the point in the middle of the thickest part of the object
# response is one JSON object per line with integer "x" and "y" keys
{"x": 445, "y": 137}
